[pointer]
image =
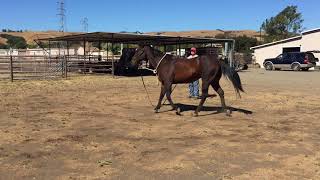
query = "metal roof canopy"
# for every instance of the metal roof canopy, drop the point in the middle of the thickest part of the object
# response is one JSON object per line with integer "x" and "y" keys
{"x": 131, "y": 38}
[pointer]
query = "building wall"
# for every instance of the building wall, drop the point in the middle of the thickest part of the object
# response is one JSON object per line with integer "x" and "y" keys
{"x": 308, "y": 42}
{"x": 273, "y": 51}
{"x": 311, "y": 42}
{"x": 3, "y": 52}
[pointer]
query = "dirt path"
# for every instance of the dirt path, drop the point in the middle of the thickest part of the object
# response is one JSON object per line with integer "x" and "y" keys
{"x": 97, "y": 127}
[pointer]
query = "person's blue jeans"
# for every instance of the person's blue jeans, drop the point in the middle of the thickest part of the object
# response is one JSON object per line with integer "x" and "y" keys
{"x": 194, "y": 89}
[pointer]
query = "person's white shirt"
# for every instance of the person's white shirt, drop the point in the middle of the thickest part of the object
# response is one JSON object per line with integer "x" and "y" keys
{"x": 192, "y": 56}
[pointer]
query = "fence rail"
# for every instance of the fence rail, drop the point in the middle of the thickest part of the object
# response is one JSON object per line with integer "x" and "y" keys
{"x": 28, "y": 67}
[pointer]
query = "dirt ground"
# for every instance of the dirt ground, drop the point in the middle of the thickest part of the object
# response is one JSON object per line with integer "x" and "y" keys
{"x": 98, "y": 127}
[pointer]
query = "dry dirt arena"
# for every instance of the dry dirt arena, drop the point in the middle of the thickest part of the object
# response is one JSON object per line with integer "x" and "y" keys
{"x": 99, "y": 127}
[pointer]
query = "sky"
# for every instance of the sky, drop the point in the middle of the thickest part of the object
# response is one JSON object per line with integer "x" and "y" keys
{"x": 151, "y": 15}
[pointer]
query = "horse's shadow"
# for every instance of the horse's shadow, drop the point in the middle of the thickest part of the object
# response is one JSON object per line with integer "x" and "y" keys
{"x": 213, "y": 109}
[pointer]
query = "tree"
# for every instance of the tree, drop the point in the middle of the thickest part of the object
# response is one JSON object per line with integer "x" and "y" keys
{"x": 15, "y": 41}
{"x": 287, "y": 23}
{"x": 115, "y": 49}
{"x": 243, "y": 43}
{"x": 32, "y": 46}
{"x": 3, "y": 46}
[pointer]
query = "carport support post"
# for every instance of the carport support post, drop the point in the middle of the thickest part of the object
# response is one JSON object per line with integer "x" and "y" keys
{"x": 179, "y": 47}
{"x": 176, "y": 49}
{"x": 231, "y": 53}
{"x": 107, "y": 51}
{"x": 229, "y": 49}
{"x": 99, "y": 48}
{"x": 226, "y": 51}
{"x": 49, "y": 45}
{"x": 121, "y": 48}
{"x": 112, "y": 69}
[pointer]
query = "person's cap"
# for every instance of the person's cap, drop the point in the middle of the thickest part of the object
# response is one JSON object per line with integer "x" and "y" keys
{"x": 193, "y": 49}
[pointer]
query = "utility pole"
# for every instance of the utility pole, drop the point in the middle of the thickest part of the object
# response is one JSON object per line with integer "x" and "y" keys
{"x": 85, "y": 24}
{"x": 62, "y": 15}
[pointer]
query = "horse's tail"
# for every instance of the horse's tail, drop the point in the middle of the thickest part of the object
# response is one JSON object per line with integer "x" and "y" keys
{"x": 231, "y": 74}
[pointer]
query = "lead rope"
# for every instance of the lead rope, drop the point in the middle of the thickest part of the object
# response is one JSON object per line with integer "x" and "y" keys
{"x": 149, "y": 99}
{"x": 145, "y": 88}
{"x": 156, "y": 73}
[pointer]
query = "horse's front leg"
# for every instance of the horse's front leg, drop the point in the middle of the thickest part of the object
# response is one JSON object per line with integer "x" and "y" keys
{"x": 162, "y": 93}
{"x": 168, "y": 88}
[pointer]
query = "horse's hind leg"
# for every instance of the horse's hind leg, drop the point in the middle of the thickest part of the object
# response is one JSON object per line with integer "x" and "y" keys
{"x": 162, "y": 93}
{"x": 216, "y": 86}
{"x": 204, "y": 95}
{"x": 168, "y": 95}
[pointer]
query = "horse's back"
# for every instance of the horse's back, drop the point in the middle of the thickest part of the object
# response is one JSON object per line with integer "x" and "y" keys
{"x": 186, "y": 70}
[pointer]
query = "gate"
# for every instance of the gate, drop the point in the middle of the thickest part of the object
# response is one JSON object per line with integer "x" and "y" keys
{"x": 46, "y": 67}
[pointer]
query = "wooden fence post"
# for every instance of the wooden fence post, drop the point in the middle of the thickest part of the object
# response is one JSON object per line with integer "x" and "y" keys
{"x": 65, "y": 67}
{"x": 11, "y": 68}
{"x": 112, "y": 60}
{"x": 66, "y": 60}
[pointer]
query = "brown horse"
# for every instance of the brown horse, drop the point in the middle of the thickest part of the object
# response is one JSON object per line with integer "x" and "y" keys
{"x": 175, "y": 70}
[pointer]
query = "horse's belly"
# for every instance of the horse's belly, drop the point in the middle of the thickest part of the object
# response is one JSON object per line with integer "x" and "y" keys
{"x": 185, "y": 78}
{"x": 186, "y": 71}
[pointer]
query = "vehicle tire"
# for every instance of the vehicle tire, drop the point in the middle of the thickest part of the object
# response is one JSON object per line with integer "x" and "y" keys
{"x": 268, "y": 67}
{"x": 296, "y": 67}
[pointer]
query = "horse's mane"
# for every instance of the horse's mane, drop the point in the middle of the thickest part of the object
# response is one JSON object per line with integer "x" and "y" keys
{"x": 157, "y": 52}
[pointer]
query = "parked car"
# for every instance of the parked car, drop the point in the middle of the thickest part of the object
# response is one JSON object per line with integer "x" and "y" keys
{"x": 294, "y": 60}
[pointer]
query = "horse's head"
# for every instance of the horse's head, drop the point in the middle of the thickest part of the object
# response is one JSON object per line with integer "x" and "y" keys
{"x": 139, "y": 55}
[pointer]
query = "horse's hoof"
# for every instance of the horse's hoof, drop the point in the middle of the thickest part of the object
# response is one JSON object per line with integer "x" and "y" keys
{"x": 228, "y": 112}
{"x": 156, "y": 110}
{"x": 178, "y": 111}
{"x": 195, "y": 114}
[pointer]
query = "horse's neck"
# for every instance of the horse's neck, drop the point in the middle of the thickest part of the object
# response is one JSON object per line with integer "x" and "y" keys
{"x": 153, "y": 58}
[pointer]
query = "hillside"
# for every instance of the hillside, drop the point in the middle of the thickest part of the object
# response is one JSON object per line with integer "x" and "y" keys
{"x": 31, "y": 36}
{"x": 209, "y": 33}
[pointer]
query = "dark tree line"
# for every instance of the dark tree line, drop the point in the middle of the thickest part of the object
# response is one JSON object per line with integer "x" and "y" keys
{"x": 9, "y": 30}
